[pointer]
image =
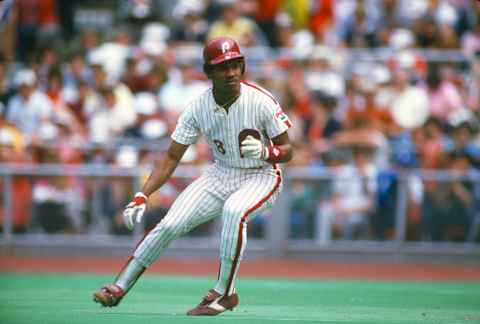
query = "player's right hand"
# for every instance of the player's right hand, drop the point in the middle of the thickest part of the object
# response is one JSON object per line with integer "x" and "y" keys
{"x": 134, "y": 210}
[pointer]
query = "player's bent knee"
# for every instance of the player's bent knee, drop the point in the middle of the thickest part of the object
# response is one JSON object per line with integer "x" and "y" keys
{"x": 234, "y": 211}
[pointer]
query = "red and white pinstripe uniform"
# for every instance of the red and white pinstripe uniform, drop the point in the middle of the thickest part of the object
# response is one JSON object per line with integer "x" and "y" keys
{"x": 234, "y": 187}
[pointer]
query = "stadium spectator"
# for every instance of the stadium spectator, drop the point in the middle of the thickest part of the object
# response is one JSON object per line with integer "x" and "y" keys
{"x": 110, "y": 106}
{"x": 190, "y": 26}
{"x": 265, "y": 13}
{"x": 323, "y": 71}
{"x": 149, "y": 125}
{"x": 112, "y": 55}
{"x": 27, "y": 20}
{"x": 30, "y": 107}
{"x": 48, "y": 25}
{"x": 444, "y": 98}
{"x": 175, "y": 94}
{"x": 244, "y": 30}
{"x": 12, "y": 151}
{"x": 367, "y": 108}
{"x": 471, "y": 41}
{"x": 90, "y": 39}
{"x": 392, "y": 87}
{"x": 463, "y": 134}
{"x": 76, "y": 70}
{"x": 432, "y": 144}
{"x": 447, "y": 210}
{"x": 322, "y": 19}
{"x": 359, "y": 30}
{"x": 6, "y": 86}
{"x": 57, "y": 94}
{"x": 305, "y": 196}
{"x": 346, "y": 212}
{"x": 409, "y": 103}
{"x": 324, "y": 124}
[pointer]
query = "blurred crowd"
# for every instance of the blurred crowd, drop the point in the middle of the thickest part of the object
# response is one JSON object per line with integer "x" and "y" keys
{"x": 373, "y": 87}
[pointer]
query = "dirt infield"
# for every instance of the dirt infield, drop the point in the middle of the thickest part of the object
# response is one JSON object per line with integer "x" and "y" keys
{"x": 254, "y": 268}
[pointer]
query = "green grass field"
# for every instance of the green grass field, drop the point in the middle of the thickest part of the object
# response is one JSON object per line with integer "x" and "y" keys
{"x": 65, "y": 299}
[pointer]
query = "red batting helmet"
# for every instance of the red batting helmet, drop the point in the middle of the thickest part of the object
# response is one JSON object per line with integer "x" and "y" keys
{"x": 221, "y": 49}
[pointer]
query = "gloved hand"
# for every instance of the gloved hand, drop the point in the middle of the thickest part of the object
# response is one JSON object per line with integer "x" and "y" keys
{"x": 252, "y": 148}
{"x": 134, "y": 210}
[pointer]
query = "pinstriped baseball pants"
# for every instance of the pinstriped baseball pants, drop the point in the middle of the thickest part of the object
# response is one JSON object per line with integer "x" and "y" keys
{"x": 236, "y": 194}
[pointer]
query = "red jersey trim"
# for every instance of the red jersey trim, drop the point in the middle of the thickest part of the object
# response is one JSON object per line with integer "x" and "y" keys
{"x": 261, "y": 90}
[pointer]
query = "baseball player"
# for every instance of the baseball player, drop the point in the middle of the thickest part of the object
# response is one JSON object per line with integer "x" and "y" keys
{"x": 246, "y": 130}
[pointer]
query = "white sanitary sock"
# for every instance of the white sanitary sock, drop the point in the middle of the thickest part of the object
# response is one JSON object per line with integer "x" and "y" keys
{"x": 127, "y": 278}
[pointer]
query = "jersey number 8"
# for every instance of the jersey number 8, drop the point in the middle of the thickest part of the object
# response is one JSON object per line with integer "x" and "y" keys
{"x": 219, "y": 145}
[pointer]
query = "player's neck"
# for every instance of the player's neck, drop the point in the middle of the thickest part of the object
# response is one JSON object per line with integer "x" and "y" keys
{"x": 225, "y": 100}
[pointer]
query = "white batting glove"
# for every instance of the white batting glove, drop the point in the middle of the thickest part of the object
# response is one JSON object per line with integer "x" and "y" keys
{"x": 252, "y": 148}
{"x": 134, "y": 210}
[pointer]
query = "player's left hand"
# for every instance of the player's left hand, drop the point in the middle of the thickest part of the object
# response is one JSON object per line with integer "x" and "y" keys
{"x": 252, "y": 148}
{"x": 134, "y": 210}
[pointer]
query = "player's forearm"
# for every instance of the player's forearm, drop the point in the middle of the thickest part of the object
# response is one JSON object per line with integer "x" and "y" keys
{"x": 280, "y": 153}
{"x": 160, "y": 174}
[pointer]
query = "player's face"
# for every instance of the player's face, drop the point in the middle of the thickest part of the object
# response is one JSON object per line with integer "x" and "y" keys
{"x": 226, "y": 76}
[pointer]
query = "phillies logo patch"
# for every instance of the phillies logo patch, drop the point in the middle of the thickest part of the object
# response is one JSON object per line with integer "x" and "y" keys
{"x": 281, "y": 116}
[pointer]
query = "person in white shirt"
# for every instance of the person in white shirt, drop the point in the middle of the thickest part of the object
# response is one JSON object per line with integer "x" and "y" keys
{"x": 30, "y": 108}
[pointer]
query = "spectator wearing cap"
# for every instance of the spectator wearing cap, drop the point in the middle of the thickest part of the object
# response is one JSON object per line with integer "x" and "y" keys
{"x": 30, "y": 107}
{"x": 284, "y": 31}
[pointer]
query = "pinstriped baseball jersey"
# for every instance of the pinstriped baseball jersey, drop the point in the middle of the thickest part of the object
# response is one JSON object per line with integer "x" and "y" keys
{"x": 255, "y": 112}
